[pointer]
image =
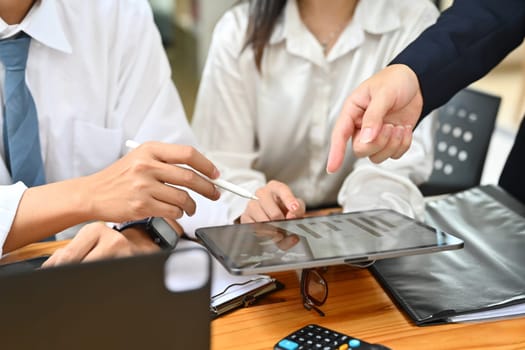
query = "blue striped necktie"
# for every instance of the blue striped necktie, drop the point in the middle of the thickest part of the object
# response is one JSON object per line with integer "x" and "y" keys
{"x": 20, "y": 131}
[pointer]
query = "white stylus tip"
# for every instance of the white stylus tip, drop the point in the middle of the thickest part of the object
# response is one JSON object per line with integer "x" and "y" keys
{"x": 132, "y": 144}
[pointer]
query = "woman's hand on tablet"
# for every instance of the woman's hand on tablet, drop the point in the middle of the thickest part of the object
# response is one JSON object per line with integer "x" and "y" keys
{"x": 276, "y": 202}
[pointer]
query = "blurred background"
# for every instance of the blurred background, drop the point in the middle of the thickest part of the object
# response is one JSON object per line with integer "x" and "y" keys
{"x": 186, "y": 27}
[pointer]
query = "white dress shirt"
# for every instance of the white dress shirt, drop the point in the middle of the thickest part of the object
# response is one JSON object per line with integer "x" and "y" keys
{"x": 99, "y": 75}
{"x": 277, "y": 123}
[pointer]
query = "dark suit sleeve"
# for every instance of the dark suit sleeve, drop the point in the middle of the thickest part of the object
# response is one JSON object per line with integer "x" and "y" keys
{"x": 467, "y": 41}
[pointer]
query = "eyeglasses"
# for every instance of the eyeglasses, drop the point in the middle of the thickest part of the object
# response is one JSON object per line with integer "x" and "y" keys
{"x": 314, "y": 290}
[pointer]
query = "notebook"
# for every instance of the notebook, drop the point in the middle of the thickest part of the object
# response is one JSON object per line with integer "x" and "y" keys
{"x": 485, "y": 280}
{"x": 142, "y": 302}
{"x": 230, "y": 292}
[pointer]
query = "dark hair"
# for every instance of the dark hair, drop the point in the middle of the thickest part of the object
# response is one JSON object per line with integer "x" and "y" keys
{"x": 263, "y": 16}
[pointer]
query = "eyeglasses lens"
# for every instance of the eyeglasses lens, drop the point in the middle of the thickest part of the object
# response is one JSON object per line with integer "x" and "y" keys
{"x": 314, "y": 289}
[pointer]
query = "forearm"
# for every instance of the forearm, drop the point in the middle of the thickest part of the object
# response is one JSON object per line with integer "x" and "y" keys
{"x": 46, "y": 210}
{"x": 468, "y": 40}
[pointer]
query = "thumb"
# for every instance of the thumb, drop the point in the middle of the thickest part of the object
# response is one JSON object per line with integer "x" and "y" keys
{"x": 373, "y": 117}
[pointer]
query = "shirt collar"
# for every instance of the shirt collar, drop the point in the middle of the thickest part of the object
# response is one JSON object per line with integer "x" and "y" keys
{"x": 43, "y": 24}
{"x": 378, "y": 16}
{"x": 299, "y": 40}
{"x": 372, "y": 16}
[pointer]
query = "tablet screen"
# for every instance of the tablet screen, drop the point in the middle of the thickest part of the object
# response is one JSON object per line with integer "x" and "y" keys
{"x": 321, "y": 241}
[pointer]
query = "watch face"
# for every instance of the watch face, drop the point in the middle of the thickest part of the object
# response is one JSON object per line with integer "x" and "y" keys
{"x": 165, "y": 231}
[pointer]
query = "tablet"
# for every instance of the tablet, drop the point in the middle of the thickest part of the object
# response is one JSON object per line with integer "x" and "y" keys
{"x": 352, "y": 238}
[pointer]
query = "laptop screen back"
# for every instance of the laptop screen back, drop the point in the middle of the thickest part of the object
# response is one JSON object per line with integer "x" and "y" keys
{"x": 130, "y": 303}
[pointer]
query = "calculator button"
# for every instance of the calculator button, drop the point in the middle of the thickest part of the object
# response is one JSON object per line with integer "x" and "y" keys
{"x": 354, "y": 343}
{"x": 288, "y": 344}
{"x": 315, "y": 337}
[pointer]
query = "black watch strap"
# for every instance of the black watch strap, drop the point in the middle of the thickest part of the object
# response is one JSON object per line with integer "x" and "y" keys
{"x": 158, "y": 229}
{"x": 133, "y": 223}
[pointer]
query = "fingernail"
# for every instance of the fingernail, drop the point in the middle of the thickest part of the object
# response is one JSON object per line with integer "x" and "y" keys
{"x": 294, "y": 207}
{"x": 366, "y": 135}
{"x": 329, "y": 162}
{"x": 216, "y": 173}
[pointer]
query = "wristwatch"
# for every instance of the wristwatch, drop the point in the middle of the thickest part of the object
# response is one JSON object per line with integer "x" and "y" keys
{"x": 157, "y": 228}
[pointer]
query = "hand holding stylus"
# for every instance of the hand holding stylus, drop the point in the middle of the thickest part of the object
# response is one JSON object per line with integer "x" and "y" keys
{"x": 134, "y": 187}
{"x": 225, "y": 185}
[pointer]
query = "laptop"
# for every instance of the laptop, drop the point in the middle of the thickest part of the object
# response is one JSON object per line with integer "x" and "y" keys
{"x": 141, "y": 302}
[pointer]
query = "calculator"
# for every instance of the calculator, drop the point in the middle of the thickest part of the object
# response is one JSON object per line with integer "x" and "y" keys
{"x": 314, "y": 336}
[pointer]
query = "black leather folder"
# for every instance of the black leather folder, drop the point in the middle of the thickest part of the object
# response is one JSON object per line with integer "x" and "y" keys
{"x": 487, "y": 274}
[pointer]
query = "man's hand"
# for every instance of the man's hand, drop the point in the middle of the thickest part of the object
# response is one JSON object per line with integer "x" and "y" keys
{"x": 132, "y": 188}
{"x": 276, "y": 202}
{"x": 391, "y": 96}
{"x": 135, "y": 187}
{"x": 97, "y": 241}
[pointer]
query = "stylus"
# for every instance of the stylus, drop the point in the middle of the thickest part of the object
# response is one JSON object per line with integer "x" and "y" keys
{"x": 228, "y": 186}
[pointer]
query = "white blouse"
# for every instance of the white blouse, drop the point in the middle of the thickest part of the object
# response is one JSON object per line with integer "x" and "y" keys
{"x": 276, "y": 124}
{"x": 99, "y": 75}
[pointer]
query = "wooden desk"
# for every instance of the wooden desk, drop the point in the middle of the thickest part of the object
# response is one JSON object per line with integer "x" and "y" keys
{"x": 32, "y": 250}
{"x": 356, "y": 305}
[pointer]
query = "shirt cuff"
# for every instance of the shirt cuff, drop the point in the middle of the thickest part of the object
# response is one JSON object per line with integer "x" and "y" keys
{"x": 368, "y": 189}
{"x": 10, "y": 196}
